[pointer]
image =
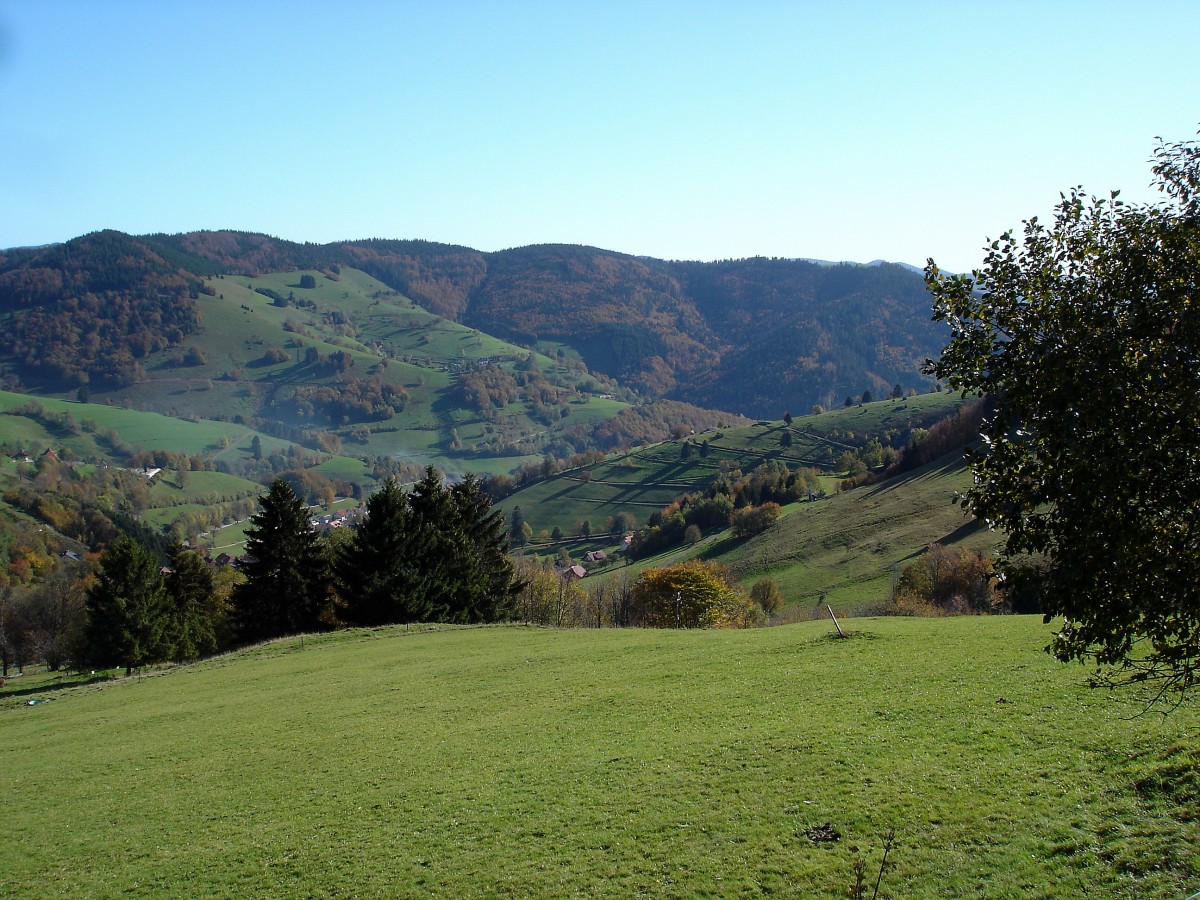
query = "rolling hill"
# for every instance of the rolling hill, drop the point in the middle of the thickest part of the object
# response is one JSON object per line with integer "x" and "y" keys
{"x": 534, "y": 762}
{"x": 844, "y": 546}
{"x": 754, "y": 336}
{"x": 327, "y": 357}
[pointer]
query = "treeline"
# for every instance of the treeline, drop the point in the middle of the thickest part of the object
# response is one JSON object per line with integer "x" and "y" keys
{"x": 748, "y": 503}
{"x": 88, "y": 311}
{"x": 436, "y": 553}
{"x": 873, "y": 463}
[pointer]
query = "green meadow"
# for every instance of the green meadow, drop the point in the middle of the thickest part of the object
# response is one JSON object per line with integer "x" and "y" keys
{"x": 843, "y": 550}
{"x": 524, "y": 762}
{"x": 642, "y": 481}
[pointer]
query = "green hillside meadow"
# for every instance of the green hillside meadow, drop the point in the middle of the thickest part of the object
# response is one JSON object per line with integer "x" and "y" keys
{"x": 522, "y": 762}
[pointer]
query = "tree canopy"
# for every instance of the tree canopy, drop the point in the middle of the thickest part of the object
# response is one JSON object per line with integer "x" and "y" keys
{"x": 287, "y": 586}
{"x": 434, "y": 553}
{"x": 1086, "y": 335}
{"x": 692, "y": 594}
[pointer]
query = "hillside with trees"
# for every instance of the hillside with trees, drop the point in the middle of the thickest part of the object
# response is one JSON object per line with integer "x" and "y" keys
{"x": 748, "y": 335}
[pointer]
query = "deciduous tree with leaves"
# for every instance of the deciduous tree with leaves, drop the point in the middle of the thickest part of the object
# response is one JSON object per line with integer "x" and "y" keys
{"x": 1086, "y": 332}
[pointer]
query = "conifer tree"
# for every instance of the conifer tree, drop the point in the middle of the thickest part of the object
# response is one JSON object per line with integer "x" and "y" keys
{"x": 193, "y": 618}
{"x": 379, "y": 573}
{"x": 128, "y": 609}
{"x": 287, "y": 588}
{"x": 515, "y": 536}
{"x": 493, "y": 588}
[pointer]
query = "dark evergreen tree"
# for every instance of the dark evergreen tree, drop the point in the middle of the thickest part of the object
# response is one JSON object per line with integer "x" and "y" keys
{"x": 287, "y": 586}
{"x": 129, "y": 611}
{"x": 380, "y": 572}
{"x": 515, "y": 537}
{"x": 787, "y": 418}
{"x": 433, "y": 554}
{"x": 490, "y": 587}
{"x": 193, "y": 631}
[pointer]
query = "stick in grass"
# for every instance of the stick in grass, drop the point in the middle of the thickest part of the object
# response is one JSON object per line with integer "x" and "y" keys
{"x": 835, "y": 622}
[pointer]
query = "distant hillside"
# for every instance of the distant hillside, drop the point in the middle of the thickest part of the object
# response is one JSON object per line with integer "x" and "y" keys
{"x": 755, "y": 336}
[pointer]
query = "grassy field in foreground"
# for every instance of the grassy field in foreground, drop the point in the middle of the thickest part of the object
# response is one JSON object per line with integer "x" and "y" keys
{"x": 533, "y": 763}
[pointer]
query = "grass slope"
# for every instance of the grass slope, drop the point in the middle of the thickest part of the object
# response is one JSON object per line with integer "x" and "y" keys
{"x": 644, "y": 480}
{"x": 385, "y": 334}
{"x": 532, "y": 763}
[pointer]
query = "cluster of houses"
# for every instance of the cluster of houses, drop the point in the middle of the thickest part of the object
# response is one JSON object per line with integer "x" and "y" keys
{"x": 50, "y": 455}
{"x": 595, "y": 558}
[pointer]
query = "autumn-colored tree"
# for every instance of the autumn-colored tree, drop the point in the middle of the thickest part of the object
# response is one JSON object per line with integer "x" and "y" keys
{"x": 765, "y": 592}
{"x": 694, "y": 594}
{"x": 945, "y": 581}
{"x": 752, "y": 520}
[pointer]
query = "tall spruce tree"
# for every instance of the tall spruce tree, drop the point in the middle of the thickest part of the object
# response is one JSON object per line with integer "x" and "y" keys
{"x": 129, "y": 611}
{"x": 287, "y": 585}
{"x": 491, "y": 586}
{"x": 193, "y": 617}
{"x": 435, "y": 542}
{"x": 380, "y": 572}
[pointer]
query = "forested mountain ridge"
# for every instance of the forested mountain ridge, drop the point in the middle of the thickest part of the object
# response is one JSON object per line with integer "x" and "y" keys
{"x": 753, "y": 335}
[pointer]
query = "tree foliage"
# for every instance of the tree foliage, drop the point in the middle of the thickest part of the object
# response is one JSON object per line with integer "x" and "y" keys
{"x": 1086, "y": 332}
{"x": 693, "y": 594}
{"x": 945, "y": 581}
{"x": 434, "y": 553}
{"x": 287, "y": 586}
{"x": 193, "y": 629}
{"x": 129, "y": 611}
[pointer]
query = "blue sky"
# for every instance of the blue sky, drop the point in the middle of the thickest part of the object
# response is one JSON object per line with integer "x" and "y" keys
{"x": 854, "y": 130}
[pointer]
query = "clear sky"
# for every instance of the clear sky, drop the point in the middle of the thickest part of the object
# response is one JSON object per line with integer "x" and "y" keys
{"x": 835, "y": 130}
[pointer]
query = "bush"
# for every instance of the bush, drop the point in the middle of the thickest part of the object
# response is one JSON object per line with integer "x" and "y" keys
{"x": 947, "y": 582}
{"x": 766, "y": 594}
{"x": 754, "y": 520}
{"x": 694, "y": 594}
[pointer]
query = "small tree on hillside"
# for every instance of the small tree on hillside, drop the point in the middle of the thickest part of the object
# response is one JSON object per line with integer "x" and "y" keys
{"x": 766, "y": 594}
{"x": 694, "y": 594}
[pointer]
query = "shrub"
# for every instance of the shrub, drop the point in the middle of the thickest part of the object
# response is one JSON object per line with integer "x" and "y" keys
{"x": 947, "y": 582}
{"x": 754, "y": 520}
{"x": 694, "y": 594}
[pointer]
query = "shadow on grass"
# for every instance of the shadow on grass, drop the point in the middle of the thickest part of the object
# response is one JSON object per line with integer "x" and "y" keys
{"x": 66, "y": 681}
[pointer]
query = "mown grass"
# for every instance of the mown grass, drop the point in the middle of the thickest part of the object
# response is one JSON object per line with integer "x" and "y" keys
{"x": 532, "y": 763}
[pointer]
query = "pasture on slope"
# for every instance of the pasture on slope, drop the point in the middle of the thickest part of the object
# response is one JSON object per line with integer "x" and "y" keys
{"x": 537, "y": 763}
{"x": 847, "y": 549}
{"x": 643, "y": 480}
